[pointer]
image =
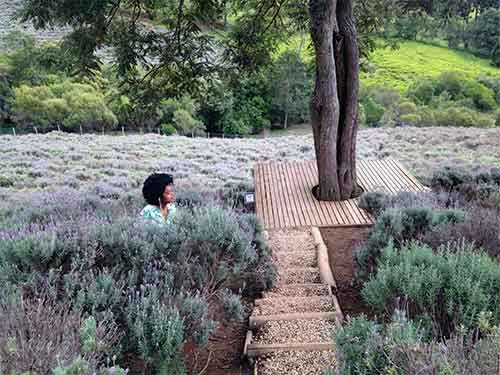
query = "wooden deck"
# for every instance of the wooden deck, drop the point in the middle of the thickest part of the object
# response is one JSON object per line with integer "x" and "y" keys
{"x": 283, "y": 197}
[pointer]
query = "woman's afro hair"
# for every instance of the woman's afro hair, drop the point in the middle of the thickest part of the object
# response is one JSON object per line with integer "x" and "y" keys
{"x": 154, "y": 186}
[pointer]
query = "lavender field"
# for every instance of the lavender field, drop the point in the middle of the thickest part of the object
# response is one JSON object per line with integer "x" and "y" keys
{"x": 118, "y": 164}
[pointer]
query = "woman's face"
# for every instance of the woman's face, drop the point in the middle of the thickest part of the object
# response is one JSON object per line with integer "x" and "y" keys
{"x": 168, "y": 194}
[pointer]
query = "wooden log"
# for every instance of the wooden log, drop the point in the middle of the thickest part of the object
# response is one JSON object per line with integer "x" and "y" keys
{"x": 323, "y": 262}
{"x": 255, "y": 350}
{"x": 248, "y": 341}
{"x": 258, "y": 321}
{"x": 326, "y": 271}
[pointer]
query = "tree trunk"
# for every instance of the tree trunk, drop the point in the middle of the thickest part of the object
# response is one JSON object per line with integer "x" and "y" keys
{"x": 335, "y": 99}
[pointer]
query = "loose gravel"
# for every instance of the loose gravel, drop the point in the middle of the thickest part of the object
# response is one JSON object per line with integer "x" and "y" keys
{"x": 296, "y": 259}
{"x": 296, "y": 363}
{"x": 298, "y": 290}
{"x": 291, "y": 240}
{"x": 295, "y": 331}
{"x": 300, "y": 275}
{"x": 284, "y": 305}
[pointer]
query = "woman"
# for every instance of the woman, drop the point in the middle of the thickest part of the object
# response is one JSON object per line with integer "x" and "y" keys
{"x": 158, "y": 191}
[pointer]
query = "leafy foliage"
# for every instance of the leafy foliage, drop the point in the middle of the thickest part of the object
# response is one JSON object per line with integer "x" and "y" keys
{"x": 396, "y": 226}
{"x": 448, "y": 288}
{"x": 483, "y": 35}
{"x": 68, "y": 104}
{"x": 399, "y": 347}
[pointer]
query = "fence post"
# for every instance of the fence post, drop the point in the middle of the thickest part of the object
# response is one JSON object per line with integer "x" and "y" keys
{"x": 222, "y": 135}
{"x": 36, "y": 130}
{"x": 14, "y": 131}
{"x": 159, "y": 131}
{"x": 58, "y": 128}
{"x": 103, "y": 130}
{"x": 123, "y": 131}
{"x": 81, "y": 130}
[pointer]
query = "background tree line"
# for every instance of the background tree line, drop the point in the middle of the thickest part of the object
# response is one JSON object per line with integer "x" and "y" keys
{"x": 235, "y": 69}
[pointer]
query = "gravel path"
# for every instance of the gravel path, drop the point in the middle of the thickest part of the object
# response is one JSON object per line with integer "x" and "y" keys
{"x": 295, "y": 331}
{"x": 296, "y": 259}
{"x": 299, "y": 275}
{"x": 290, "y": 240}
{"x": 296, "y": 363}
{"x": 298, "y": 290}
{"x": 269, "y": 306}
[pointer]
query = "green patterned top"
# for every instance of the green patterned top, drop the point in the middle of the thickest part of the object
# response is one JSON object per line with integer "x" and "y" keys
{"x": 153, "y": 213}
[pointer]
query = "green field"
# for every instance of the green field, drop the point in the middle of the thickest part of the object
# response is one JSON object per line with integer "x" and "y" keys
{"x": 399, "y": 68}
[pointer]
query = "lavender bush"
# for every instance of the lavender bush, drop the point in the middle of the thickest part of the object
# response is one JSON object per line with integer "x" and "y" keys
{"x": 40, "y": 335}
{"x": 161, "y": 287}
{"x": 62, "y": 160}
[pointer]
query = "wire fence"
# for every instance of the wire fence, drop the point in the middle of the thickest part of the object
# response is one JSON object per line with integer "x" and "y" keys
{"x": 122, "y": 130}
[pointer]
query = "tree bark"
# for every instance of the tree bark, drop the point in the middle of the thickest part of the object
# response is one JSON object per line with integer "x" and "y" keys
{"x": 335, "y": 98}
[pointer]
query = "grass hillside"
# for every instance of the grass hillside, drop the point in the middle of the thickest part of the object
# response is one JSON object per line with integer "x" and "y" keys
{"x": 399, "y": 68}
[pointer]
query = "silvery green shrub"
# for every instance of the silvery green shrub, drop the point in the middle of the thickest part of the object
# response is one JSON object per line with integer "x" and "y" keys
{"x": 160, "y": 286}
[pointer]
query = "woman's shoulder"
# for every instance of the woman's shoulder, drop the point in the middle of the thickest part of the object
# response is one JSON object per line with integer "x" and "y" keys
{"x": 150, "y": 210}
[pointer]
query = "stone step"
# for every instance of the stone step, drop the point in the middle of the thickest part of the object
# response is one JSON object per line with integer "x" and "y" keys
{"x": 298, "y": 290}
{"x": 281, "y": 305}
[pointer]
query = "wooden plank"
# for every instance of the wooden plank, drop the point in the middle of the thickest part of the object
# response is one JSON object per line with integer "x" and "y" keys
{"x": 248, "y": 341}
{"x": 363, "y": 181}
{"x": 408, "y": 175}
{"x": 278, "y": 216}
{"x": 270, "y": 194}
{"x": 255, "y": 350}
{"x": 289, "y": 199}
{"x": 367, "y": 216}
{"x": 279, "y": 196}
{"x": 312, "y": 175}
{"x": 396, "y": 178}
{"x": 332, "y": 213}
{"x": 347, "y": 215}
{"x": 376, "y": 178}
{"x": 259, "y": 321}
{"x": 381, "y": 170}
{"x": 311, "y": 201}
{"x": 260, "y": 209}
{"x": 265, "y": 197}
{"x": 284, "y": 197}
{"x": 297, "y": 194}
{"x": 372, "y": 184}
{"x": 353, "y": 205}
